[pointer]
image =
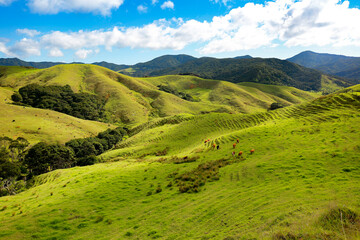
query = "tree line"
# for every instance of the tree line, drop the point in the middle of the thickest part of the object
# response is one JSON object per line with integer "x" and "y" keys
{"x": 62, "y": 99}
{"x": 19, "y": 163}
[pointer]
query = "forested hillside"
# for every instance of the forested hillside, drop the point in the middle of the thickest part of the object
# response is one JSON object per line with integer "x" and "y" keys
{"x": 338, "y": 65}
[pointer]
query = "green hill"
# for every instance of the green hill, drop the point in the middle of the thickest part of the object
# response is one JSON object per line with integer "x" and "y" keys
{"x": 111, "y": 66}
{"x": 137, "y": 100}
{"x": 266, "y": 71}
{"x": 159, "y": 63}
{"x": 338, "y": 65}
{"x": 42, "y": 125}
{"x": 21, "y": 63}
{"x": 301, "y": 182}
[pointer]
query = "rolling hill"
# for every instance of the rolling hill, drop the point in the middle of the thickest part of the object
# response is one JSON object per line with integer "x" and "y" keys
{"x": 338, "y": 65}
{"x": 301, "y": 182}
{"x": 21, "y": 63}
{"x": 159, "y": 63}
{"x": 137, "y": 100}
{"x": 139, "y": 69}
{"x": 238, "y": 69}
{"x": 42, "y": 125}
{"x": 267, "y": 71}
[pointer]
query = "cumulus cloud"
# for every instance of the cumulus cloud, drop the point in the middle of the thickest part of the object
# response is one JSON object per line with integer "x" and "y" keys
{"x": 167, "y": 4}
{"x": 286, "y": 22}
{"x": 102, "y": 7}
{"x": 4, "y": 49}
{"x": 83, "y": 53}
{"x": 25, "y": 47}
{"x": 6, "y": 2}
{"x": 154, "y": 1}
{"x": 55, "y": 52}
{"x": 142, "y": 9}
{"x": 28, "y": 32}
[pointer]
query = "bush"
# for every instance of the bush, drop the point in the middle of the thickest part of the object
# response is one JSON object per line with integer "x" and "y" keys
{"x": 43, "y": 157}
{"x": 275, "y": 105}
{"x": 181, "y": 95}
{"x": 16, "y": 97}
{"x": 88, "y": 160}
{"x": 96, "y": 145}
{"x": 337, "y": 218}
{"x": 192, "y": 181}
{"x": 61, "y": 99}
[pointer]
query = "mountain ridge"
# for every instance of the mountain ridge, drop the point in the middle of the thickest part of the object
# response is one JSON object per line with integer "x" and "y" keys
{"x": 338, "y": 65}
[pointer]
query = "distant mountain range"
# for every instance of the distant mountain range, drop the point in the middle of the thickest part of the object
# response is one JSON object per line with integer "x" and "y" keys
{"x": 344, "y": 70}
{"x": 18, "y": 62}
{"x": 267, "y": 71}
{"x": 338, "y": 65}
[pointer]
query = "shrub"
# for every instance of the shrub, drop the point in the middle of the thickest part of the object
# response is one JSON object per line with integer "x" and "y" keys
{"x": 275, "y": 105}
{"x": 87, "y": 160}
{"x": 337, "y": 218}
{"x": 182, "y": 95}
{"x": 16, "y": 97}
{"x": 192, "y": 181}
{"x": 43, "y": 157}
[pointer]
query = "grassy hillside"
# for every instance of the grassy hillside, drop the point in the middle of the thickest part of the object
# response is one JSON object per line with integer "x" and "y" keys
{"x": 42, "y": 125}
{"x": 135, "y": 100}
{"x": 302, "y": 181}
{"x": 244, "y": 97}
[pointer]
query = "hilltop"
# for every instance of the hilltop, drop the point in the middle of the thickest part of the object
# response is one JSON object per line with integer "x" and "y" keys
{"x": 159, "y": 63}
{"x": 240, "y": 69}
{"x": 137, "y": 100}
{"x": 301, "y": 182}
{"x": 267, "y": 71}
{"x": 338, "y": 65}
{"x": 138, "y": 70}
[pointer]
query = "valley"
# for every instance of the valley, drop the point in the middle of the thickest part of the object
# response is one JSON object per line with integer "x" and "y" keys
{"x": 201, "y": 159}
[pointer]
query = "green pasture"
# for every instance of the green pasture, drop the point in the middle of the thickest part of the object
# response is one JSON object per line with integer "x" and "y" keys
{"x": 304, "y": 170}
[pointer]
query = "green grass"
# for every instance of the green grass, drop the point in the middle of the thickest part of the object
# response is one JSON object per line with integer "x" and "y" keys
{"x": 305, "y": 167}
{"x": 43, "y": 125}
{"x": 235, "y": 98}
{"x": 133, "y": 101}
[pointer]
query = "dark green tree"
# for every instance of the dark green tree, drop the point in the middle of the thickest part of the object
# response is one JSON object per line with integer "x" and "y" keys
{"x": 43, "y": 157}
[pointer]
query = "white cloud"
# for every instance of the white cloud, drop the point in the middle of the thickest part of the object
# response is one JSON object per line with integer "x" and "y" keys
{"x": 5, "y": 50}
{"x": 154, "y": 1}
{"x": 29, "y": 32}
{"x": 83, "y": 53}
{"x": 55, "y": 52}
{"x": 285, "y": 22}
{"x": 167, "y": 4}
{"x": 25, "y": 47}
{"x": 103, "y": 7}
{"x": 6, "y": 2}
{"x": 142, "y": 9}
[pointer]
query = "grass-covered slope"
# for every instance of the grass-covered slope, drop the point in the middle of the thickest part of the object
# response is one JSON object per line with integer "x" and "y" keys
{"x": 302, "y": 181}
{"x": 234, "y": 98}
{"x": 135, "y": 100}
{"x": 42, "y": 125}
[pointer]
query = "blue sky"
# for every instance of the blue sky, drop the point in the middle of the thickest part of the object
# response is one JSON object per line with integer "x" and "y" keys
{"x": 131, "y": 31}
